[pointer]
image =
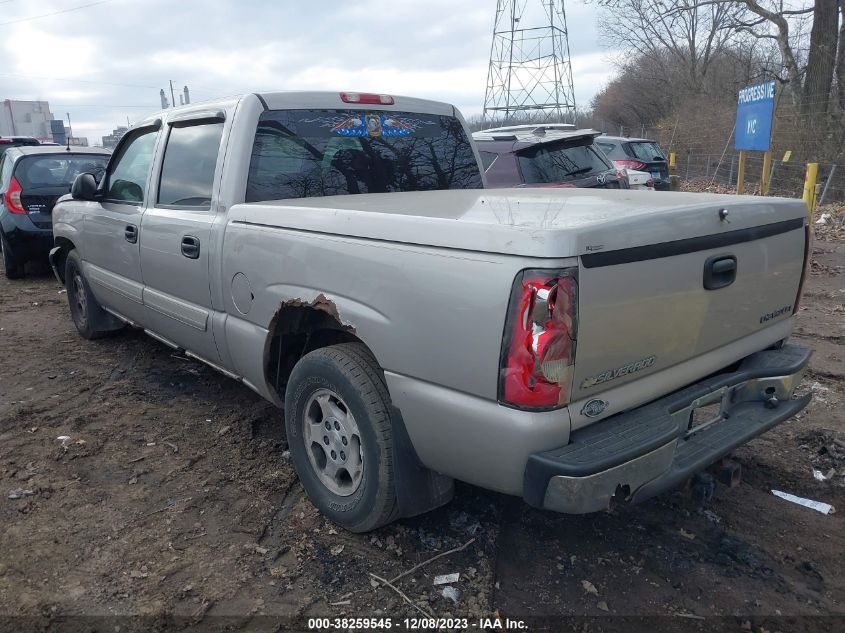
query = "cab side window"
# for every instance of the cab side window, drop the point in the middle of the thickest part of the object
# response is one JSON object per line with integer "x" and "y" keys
{"x": 127, "y": 179}
{"x": 190, "y": 159}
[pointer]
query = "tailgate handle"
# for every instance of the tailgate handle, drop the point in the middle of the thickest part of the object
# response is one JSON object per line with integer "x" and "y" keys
{"x": 719, "y": 271}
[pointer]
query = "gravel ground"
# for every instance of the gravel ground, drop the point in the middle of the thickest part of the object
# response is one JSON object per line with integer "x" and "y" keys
{"x": 172, "y": 498}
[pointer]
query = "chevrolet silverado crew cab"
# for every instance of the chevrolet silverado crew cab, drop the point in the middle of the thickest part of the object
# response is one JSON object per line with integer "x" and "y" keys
{"x": 338, "y": 254}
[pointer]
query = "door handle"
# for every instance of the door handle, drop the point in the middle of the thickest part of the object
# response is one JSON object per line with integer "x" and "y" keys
{"x": 131, "y": 233}
{"x": 719, "y": 271}
{"x": 191, "y": 247}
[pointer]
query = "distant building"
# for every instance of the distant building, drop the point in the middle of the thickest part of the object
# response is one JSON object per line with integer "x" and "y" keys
{"x": 110, "y": 140}
{"x": 26, "y": 118}
{"x": 57, "y": 127}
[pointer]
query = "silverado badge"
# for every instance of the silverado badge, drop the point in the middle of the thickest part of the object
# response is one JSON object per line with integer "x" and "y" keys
{"x": 613, "y": 374}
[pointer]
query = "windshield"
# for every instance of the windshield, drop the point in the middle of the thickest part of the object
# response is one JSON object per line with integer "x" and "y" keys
{"x": 304, "y": 153}
{"x": 646, "y": 150}
{"x": 557, "y": 162}
{"x": 52, "y": 170}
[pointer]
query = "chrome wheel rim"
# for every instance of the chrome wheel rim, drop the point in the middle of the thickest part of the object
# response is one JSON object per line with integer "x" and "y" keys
{"x": 333, "y": 442}
{"x": 79, "y": 298}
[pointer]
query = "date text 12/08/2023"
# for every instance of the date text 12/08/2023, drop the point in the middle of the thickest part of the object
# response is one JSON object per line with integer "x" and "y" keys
{"x": 412, "y": 624}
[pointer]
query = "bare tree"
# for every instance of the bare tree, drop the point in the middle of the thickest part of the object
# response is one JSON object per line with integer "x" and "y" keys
{"x": 822, "y": 57}
{"x": 686, "y": 35}
{"x": 840, "y": 60}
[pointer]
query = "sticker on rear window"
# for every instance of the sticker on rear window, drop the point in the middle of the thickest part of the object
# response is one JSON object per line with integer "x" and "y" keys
{"x": 371, "y": 125}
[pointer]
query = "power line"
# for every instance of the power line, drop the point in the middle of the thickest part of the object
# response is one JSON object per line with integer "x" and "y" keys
{"x": 47, "y": 15}
{"x": 99, "y": 105}
{"x": 78, "y": 81}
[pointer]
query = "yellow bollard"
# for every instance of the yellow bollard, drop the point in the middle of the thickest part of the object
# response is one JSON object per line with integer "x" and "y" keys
{"x": 810, "y": 179}
{"x": 765, "y": 173}
{"x": 740, "y": 174}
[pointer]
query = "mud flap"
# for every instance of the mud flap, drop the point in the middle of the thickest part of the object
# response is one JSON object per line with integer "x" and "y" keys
{"x": 418, "y": 489}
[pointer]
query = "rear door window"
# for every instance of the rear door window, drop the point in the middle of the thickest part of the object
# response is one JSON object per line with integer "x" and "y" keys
{"x": 487, "y": 159}
{"x": 607, "y": 148}
{"x": 190, "y": 159}
{"x": 559, "y": 162}
{"x": 127, "y": 179}
{"x": 646, "y": 151}
{"x": 305, "y": 153}
{"x": 59, "y": 170}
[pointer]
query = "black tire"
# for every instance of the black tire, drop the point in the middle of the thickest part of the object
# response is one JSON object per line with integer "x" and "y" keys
{"x": 88, "y": 315}
{"x": 349, "y": 371}
{"x": 13, "y": 268}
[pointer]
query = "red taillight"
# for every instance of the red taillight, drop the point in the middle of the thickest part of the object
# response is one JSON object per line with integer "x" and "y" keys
{"x": 13, "y": 197}
{"x": 538, "y": 353}
{"x": 629, "y": 164}
{"x": 807, "y": 247}
{"x": 366, "y": 97}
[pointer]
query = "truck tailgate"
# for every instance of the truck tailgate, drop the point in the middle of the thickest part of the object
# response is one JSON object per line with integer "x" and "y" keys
{"x": 646, "y": 308}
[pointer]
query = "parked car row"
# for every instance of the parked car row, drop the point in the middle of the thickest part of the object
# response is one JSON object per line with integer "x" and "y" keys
{"x": 558, "y": 155}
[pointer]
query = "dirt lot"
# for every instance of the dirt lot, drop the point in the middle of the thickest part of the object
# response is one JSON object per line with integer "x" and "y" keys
{"x": 172, "y": 498}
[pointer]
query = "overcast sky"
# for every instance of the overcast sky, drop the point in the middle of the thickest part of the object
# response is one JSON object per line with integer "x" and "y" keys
{"x": 106, "y": 62}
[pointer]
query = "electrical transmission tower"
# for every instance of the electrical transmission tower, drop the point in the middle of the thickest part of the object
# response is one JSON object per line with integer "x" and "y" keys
{"x": 530, "y": 75}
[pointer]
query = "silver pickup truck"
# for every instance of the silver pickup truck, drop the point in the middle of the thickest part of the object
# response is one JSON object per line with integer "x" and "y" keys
{"x": 338, "y": 254}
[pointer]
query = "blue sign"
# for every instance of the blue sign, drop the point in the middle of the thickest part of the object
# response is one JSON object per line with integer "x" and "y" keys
{"x": 754, "y": 112}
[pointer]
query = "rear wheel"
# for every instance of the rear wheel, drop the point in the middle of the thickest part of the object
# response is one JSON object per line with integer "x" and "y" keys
{"x": 337, "y": 417}
{"x": 88, "y": 315}
{"x": 13, "y": 268}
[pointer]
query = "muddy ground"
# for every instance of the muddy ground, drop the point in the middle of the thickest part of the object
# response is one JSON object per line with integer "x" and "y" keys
{"x": 172, "y": 498}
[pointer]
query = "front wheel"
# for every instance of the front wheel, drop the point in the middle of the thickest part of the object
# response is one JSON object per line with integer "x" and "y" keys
{"x": 88, "y": 315}
{"x": 337, "y": 417}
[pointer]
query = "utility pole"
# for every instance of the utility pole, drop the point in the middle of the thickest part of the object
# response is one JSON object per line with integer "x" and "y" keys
{"x": 172, "y": 94}
{"x": 530, "y": 73}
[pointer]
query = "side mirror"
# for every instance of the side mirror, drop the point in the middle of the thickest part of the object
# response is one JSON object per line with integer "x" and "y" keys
{"x": 84, "y": 187}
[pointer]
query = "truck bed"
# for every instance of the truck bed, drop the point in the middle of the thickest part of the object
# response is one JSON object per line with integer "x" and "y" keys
{"x": 531, "y": 222}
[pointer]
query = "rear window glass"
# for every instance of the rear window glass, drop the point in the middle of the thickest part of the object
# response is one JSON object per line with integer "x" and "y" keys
{"x": 305, "y": 153}
{"x": 647, "y": 151}
{"x": 57, "y": 170}
{"x": 606, "y": 147}
{"x": 550, "y": 163}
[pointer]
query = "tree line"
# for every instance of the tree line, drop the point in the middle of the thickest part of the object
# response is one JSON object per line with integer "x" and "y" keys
{"x": 674, "y": 54}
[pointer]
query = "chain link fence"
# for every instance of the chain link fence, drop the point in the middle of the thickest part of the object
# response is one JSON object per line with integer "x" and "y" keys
{"x": 703, "y": 143}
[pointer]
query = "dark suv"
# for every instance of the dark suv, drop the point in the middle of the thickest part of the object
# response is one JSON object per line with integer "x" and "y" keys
{"x": 545, "y": 156}
{"x": 8, "y": 142}
{"x": 640, "y": 154}
{"x": 31, "y": 180}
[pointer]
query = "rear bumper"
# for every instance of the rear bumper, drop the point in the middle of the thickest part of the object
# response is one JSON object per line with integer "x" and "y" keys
{"x": 638, "y": 454}
{"x": 25, "y": 240}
